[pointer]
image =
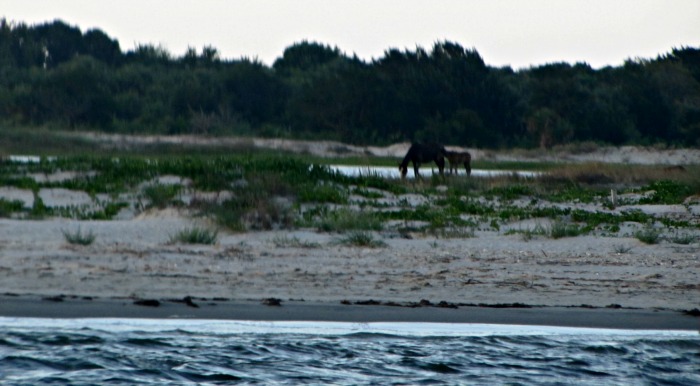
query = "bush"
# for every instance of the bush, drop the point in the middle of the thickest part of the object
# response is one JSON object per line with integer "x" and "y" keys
{"x": 345, "y": 219}
{"x": 78, "y": 237}
{"x": 560, "y": 229}
{"x": 195, "y": 235}
{"x": 648, "y": 235}
{"x": 9, "y": 207}
{"x": 362, "y": 239}
{"x": 161, "y": 195}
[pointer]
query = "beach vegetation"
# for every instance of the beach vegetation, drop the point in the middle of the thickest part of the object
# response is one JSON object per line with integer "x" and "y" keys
{"x": 622, "y": 249}
{"x": 648, "y": 234}
{"x": 683, "y": 238}
{"x": 666, "y": 192}
{"x": 344, "y": 219}
{"x": 529, "y": 233}
{"x": 559, "y": 229}
{"x": 8, "y": 207}
{"x": 39, "y": 210}
{"x": 264, "y": 190}
{"x": 362, "y": 239}
{"x": 370, "y": 194}
{"x": 195, "y": 235}
{"x": 78, "y": 237}
{"x": 293, "y": 242}
{"x": 161, "y": 195}
{"x": 453, "y": 232}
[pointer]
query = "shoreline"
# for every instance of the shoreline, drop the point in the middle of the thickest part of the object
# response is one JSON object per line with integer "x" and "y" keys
{"x": 34, "y": 306}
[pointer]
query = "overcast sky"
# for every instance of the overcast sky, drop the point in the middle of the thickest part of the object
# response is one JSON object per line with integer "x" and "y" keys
{"x": 519, "y": 33}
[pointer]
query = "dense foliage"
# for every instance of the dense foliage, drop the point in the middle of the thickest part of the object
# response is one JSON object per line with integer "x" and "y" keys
{"x": 53, "y": 75}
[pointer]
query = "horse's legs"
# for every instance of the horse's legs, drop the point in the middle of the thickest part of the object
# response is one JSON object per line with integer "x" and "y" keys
{"x": 416, "y": 165}
{"x": 468, "y": 168}
{"x": 403, "y": 171}
{"x": 441, "y": 165}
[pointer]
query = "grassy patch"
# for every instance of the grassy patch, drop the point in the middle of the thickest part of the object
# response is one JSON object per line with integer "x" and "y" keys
{"x": 342, "y": 220}
{"x": 161, "y": 195}
{"x": 621, "y": 249}
{"x": 530, "y": 233}
{"x": 78, "y": 237}
{"x": 362, "y": 239}
{"x": 648, "y": 234}
{"x": 7, "y": 208}
{"x": 666, "y": 192}
{"x": 323, "y": 193}
{"x": 195, "y": 235}
{"x": 293, "y": 242}
{"x": 560, "y": 229}
{"x": 454, "y": 233}
{"x": 683, "y": 238}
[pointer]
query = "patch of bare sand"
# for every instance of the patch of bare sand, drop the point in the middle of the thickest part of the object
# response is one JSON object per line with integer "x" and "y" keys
{"x": 606, "y": 154}
{"x": 134, "y": 258}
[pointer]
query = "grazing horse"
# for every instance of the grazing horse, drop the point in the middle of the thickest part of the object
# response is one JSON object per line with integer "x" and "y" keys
{"x": 420, "y": 153}
{"x": 458, "y": 158}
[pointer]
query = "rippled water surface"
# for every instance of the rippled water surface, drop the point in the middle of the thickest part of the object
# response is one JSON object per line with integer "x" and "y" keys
{"x": 143, "y": 351}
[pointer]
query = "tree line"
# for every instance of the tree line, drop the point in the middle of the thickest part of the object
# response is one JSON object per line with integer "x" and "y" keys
{"x": 54, "y": 75}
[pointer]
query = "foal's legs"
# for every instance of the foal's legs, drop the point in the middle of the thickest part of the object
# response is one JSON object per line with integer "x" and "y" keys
{"x": 468, "y": 168}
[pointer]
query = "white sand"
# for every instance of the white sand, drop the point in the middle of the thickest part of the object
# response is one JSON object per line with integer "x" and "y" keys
{"x": 134, "y": 258}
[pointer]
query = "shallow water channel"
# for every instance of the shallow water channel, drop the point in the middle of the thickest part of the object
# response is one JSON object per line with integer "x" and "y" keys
{"x": 355, "y": 171}
{"x": 393, "y": 172}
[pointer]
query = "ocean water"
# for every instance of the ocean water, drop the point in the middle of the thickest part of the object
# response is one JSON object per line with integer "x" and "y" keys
{"x": 36, "y": 351}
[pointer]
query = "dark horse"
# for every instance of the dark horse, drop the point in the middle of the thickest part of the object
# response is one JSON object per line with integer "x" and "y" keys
{"x": 459, "y": 158}
{"x": 420, "y": 153}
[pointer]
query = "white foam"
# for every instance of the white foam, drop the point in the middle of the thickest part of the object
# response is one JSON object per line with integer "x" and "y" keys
{"x": 325, "y": 328}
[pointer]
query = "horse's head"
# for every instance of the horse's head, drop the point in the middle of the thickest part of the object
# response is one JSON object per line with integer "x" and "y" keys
{"x": 404, "y": 170}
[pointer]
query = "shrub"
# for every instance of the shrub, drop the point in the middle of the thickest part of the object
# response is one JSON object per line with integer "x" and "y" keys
{"x": 529, "y": 233}
{"x": 683, "y": 238}
{"x": 345, "y": 219}
{"x": 39, "y": 210}
{"x": 648, "y": 235}
{"x": 666, "y": 192}
{"x": 293, "y": 242}
{"x": 322, "y": 193}
{"x": 622, "y": 249}
{"x": 195, "y": 235}
{"x": 560, "y": 229}
{"x": 78, "y": 237}
{"x": 362, "y": 239}
{"x": 9, "y": 207}
{"x": 161, "y": 195}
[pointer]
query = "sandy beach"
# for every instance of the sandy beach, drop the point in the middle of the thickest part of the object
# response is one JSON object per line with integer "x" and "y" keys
{"x": 476, "y": 278}
{"x": 132, "y": 259}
